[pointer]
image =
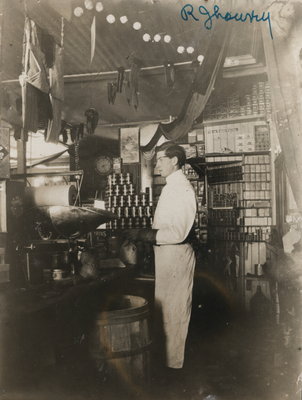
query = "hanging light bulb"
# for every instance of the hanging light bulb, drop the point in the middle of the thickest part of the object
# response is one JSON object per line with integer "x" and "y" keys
{"x": 137, "y": 26}
{"x": 146, "y": 37}
{"x": 88, "y": 4}
{"x": 167, "y": 38}
{"x": 157, "y": 38}
{"x": 123, "y": 19}
{"x": 200, "y": 58}
{"x": 99, "y": 6}
{"x": 180, "y": 49}
{"x": 78, "y": 11}
{"x": 110, "y": 18}
{"x": 190, "y": 50}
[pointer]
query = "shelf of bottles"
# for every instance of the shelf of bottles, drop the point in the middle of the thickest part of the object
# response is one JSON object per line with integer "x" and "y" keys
{"x": 239, "y": 197}
{"x": 255, "y": 101}
{"x": 133, "y": 209}
{"x": 201, "y": 216}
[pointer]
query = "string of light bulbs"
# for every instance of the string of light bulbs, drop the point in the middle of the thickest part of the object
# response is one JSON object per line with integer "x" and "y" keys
{"x": 111, "y": 19}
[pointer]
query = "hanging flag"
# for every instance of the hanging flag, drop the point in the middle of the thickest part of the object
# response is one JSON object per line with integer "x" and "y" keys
{"x": 93, "y": 36}
{"x": 36, "y": 106}
{"x": 56, "y": 76}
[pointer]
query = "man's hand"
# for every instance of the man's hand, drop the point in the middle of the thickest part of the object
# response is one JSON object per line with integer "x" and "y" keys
{"x": 131, "y": 234}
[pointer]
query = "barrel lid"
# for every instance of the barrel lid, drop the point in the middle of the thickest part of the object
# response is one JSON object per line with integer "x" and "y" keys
{"x": 124, "y": 305}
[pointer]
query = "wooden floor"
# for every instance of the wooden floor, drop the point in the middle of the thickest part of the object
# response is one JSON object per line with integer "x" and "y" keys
{"x": 228, "y": 357}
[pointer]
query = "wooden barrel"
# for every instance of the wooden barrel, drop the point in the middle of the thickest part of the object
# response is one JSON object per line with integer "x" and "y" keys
{"x": 120, "y": 340}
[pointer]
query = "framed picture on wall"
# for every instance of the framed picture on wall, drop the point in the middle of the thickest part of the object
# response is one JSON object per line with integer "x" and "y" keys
{"x": 129, "y": 142}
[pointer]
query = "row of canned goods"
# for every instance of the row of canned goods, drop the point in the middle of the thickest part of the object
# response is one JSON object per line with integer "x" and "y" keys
{"x": 119, "y": 179}
{"x": 129, "y": 223}
{"x": 132, "y": 211}
{"x": 120, "y": 190}
{"x": 128, "y": 201}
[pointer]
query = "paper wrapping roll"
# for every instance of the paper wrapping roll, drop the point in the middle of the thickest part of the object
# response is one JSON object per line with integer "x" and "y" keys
{"x": 60, "y": 195}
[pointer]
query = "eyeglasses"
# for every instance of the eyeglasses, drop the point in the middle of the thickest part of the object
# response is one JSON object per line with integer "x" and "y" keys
{"x": 161, "y": 158}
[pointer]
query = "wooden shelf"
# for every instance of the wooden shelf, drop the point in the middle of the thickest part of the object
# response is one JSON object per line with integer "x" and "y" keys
{"x": 240, "y": 118}
{"x": 238, "y": 240}
{"x": 225, "y": 182}
{"x": 223, "y": 208}
{"x": 243, "y": 71}
{"x": 245, "y": 208}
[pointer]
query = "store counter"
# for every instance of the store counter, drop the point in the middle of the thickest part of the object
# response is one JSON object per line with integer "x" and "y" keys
{"x": 38, "y": 297}
{"x": 42, "y": 324}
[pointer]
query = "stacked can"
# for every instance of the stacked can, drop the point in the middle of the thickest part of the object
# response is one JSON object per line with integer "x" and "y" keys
{"x": 234, "y": 105}
{"x": 261, "y": 99}
{"x": 133, "y": 210}
{"x": 255, "y": 108}
{"x": 267, "y": 98}
{"x": 257, "y": 100}
{"x": 248, "y": 104}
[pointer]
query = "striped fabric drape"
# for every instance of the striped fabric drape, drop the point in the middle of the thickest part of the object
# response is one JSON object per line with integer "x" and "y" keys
{"x": 200, "y": 90}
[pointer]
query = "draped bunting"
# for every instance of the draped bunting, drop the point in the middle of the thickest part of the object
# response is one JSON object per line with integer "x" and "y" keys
{"x": 46, "y": 15}
{"x": 283, "y": 57}
{"x": 56, "y": 96}
{"x": 200, "y": 90}
{"x": 34, "y": 81}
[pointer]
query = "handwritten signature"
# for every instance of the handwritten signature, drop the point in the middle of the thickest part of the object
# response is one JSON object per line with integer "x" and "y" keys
{"x": 188, "y": 12}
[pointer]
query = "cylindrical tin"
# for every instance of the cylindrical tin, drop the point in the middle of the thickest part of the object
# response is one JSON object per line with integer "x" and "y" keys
{"x": 130, "y": 189}
{"x": 143, "y": 199}
{"x": 57, "y": 274}
{"x": 121, "y": 201}
{"x": 114, "y": 201}
{"x": 129, "y": 201}
{"x": 125, "y": 190}
{"x": 117, "y": 190}
{"x": 128, "y": 178}
{"x": 109, "y": 191}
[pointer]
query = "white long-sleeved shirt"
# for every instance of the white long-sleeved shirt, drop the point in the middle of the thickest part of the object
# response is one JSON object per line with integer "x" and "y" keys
{"x": 175, "y": 211}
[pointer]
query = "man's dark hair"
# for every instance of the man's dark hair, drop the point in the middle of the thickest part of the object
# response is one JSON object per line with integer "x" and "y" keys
{"x": 173, "y": 150}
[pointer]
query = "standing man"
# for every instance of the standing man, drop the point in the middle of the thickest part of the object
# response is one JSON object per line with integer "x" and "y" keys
{"x": 174, "y": 256}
